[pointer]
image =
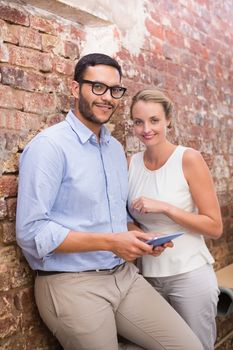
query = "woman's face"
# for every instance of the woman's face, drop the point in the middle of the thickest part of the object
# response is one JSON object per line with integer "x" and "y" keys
{"x": 150, "y": 122}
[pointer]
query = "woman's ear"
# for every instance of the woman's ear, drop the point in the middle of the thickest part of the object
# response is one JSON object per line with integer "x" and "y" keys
{"x": 169, "y": 123}
{"x": 75, "y": 88}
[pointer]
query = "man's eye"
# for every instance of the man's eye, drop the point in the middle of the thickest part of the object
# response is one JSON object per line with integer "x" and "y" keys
{"x": 98, "y": 86}
{"x": 117, "y": 89}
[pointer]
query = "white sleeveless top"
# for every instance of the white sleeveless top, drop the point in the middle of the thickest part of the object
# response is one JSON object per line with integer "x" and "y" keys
{"x": 167, "y": 184}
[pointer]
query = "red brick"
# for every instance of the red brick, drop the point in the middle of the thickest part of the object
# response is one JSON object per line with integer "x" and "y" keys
{"x": 40, "y": 103}
{"x": 17, "y": 120}
{"x": 55, "y": 83}
{"x": 170, "y": 53}
{"x": 174, "y": 39}
{"x": 14, "y": 15}
{"x": 26, "y": 57}
{"x": 173, "y": 69}
{"x": 188, "y": 74}
{"x": 16, "y": 342}
{"x": 22, "y": 299}
{"x": 171, "y": 83}
{"x": 183, "y": 14}
{"x": 11, "y": 33}
{"x": 219, "y": 71}
{"x": 26, "y": 80}
{"x": 140, "y": 59}
{"x": 225, "y": 211}
{"x": 186, "y": 58}
{"x": 4, "y": 53}
{"x": 2, "y": 28}
{"x": 11, "y": 141}
{"x": 70, "y": 50}
{"x": 30, "y": 38}
{"x": 202, "y": 66}
{"x": 45, "y": 25}
{"x": 6, "y": 305}
{"x": 197, "y": 49}
{"x": 7, "y": 232}
{"x": 14, "y": 272}
{"x": 10, "y": 98}
{"x": 155, "y": 30}
{"x": 201, "y": 25}
{"x": 8, "y": 185}
{"x": 54, "y": 119}
{"x": 10, "y": 163}
{"x": 154, "y": 48}
{"x": 8, "y": 321}
{"x": 155, "y": 15}
{"x": 76, "y": 33}
{"x": 63, "y": 66}
{"x": 49, "y": 42}
{"x": 3, "y": 208}
{"x": 156, "y": 62}
{"x": 65, "y": 48}
{"x": 210, "y": 133}
{"x": 11, "y": 208}
{"x": 63, "y": 103}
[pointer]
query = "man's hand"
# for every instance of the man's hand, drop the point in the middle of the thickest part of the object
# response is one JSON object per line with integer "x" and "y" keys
{"x": 131, "y": 245}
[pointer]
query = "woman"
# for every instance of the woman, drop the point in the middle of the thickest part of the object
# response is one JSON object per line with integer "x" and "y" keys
{"x": 171, "y": 189}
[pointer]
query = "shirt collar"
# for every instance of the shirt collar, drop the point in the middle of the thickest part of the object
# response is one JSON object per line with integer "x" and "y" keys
{"x": 84, "y": 133}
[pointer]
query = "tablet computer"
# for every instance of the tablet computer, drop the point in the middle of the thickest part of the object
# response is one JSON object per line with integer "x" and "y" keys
{"x": 160, "y": 240}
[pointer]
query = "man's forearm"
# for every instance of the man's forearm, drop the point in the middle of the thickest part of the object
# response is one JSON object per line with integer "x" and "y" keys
{"x": 77, "y": 242}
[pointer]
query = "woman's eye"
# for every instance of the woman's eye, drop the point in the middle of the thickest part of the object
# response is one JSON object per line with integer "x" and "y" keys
{"x": 154, "y": 121}
{"x": 137, "y": 122}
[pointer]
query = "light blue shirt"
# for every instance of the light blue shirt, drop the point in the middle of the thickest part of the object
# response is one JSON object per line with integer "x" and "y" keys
{"x": 69, "y": 181}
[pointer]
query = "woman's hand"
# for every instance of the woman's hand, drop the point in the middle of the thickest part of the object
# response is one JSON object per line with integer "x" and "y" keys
{"x": 159, "y": 249}
{"x": 145, "y": 205}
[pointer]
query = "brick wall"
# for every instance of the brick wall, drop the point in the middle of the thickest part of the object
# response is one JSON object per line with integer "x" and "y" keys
{"x": 186, "y": 47}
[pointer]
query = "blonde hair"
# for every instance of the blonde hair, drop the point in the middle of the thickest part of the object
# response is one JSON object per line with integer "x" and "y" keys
{"x": 156, "y": 96}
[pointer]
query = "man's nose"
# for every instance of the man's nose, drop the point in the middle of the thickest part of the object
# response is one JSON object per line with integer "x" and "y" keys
{"x": 107, "y": 95}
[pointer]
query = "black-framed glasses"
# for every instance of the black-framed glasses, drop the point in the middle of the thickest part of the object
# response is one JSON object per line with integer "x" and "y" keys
{"x": 99, "y": 88}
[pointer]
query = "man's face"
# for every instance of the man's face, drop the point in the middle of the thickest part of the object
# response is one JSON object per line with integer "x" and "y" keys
{"x": 96, "y": 110}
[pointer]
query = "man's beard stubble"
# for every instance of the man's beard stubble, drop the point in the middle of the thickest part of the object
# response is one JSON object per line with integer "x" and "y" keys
{"x": 85, "y": 110}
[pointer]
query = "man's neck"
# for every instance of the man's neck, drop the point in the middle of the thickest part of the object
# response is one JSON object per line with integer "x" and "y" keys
{"x": 95, "y": 128}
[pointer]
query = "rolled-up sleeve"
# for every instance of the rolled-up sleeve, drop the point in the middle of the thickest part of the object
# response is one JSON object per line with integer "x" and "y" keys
{"x": 40, "y": 177}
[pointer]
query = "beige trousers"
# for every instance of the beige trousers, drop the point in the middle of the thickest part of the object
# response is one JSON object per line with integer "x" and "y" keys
{"x": 86, "y": 310}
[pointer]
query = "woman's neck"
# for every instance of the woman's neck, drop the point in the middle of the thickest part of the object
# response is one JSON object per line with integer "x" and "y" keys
{"x": 156, "y": 157}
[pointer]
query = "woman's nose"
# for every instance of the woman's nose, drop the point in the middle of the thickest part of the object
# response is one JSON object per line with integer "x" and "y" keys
{"x": 147, "y": 127}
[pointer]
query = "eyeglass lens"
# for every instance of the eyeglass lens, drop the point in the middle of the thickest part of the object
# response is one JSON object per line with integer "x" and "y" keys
{"x": 100, "y": 88}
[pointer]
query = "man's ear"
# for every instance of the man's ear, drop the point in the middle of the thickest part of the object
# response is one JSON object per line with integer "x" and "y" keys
{"x": 75, "y": 88}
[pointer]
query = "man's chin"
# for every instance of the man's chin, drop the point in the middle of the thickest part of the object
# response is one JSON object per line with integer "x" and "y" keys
{"x": 102, "y": 119}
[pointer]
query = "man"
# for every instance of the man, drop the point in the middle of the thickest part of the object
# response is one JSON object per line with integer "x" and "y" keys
{"x": 72, "y": 227}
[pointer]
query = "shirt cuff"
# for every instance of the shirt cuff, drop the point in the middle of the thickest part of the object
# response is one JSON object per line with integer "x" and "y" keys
{"x": 50, "y": 238}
